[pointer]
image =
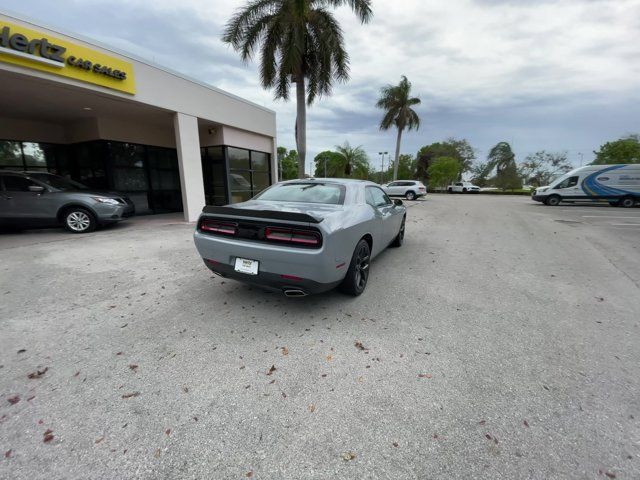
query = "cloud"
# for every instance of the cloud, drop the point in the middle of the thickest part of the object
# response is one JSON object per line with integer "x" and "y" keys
{"x": 553, "y": 74}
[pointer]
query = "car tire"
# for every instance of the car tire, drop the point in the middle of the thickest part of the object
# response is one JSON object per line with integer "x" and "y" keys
{"x": 355, "y": 281}
{"x": 553, "y": 200}
{"x": 627, "y": 202}
{"x": 399, "y": 240}
{"x": 450, "y": 190}
{"x": 410, "y": 195}
{"x": 464, "y": 190}
{"x": 79, "y": 220}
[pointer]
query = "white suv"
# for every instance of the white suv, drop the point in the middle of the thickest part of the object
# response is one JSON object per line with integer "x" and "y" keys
{"x": 463, "y": 187}
{"x": 410, "y": 189}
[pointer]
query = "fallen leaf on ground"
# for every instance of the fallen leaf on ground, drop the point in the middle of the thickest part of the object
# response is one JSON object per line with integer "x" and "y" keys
{"x": 348, "y": 456}
{"x": 7, "y": 454}
{"x": 425, "y": 375}
{"x": 129, "y": 395}
{"x": 133, "y": 367}
{"x": 489, "y": 437}
{"x": 167, "y": 432}
{"x": 77, "y": 373}
{"x": 13, "y": 400}
{"x": 359, "y": 345}
{"x": 271, "y": 370}
{"x": 600, "y": 299}
{"x": 22, "y": 350}
{"x": 38, "y": 373}
{"x": 482, "y": 422}
{"x": 526, "y": 424}
{"x": 122, "y": 326}
{"x": 98, "y": 440}
{"x": 48, "y": 435}
{"x": 312, "y": 408}
{"x": 610, "y": 475}
{"x": 329, "y": 358}
{"x": 157, "y": 454}
{"x": 249, "y": 474}
{"x": 185, "y": 389}
{"x": 395, "y": 444}
{"x": 285, "y": 351}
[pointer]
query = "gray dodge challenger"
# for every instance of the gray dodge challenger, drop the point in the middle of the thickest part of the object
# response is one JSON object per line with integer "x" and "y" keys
{"x": 302, "y": 236}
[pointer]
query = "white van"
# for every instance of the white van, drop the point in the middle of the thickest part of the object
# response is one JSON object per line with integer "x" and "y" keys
{"x": 617, "y": 184}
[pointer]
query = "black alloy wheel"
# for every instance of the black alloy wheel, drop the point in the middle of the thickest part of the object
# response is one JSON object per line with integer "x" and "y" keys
{"x": 357, "y": 276}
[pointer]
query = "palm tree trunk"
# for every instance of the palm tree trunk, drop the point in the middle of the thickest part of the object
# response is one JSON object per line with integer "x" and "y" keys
{"x": 301, "y": 125}
{"x": 395, "y": 163}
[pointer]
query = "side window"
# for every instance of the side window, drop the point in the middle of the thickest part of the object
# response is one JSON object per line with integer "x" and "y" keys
{"x": 377, "y": 198}
{"x": 17, "y": 184}
{"x": 394, "y": 184}
{"x": 567, "y": 183}
{"x": 459, "y": 184}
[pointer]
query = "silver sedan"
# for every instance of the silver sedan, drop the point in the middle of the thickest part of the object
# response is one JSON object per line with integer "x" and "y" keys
{"x": 302, "y": 236}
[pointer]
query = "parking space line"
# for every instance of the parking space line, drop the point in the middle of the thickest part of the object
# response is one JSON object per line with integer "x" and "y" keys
{"x": 608, "y": 216}
{"x": 626, "y": 224}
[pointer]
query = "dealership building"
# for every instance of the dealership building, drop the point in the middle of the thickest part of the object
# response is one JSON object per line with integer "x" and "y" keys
{"x": 115, "y": 122}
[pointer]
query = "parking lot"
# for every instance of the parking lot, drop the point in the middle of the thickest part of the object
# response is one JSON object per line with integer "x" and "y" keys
{"x": 501, "y": 341}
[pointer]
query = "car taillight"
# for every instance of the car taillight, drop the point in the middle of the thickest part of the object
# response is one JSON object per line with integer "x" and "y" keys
{"x": 290, "y": 235}
{"x": 222, "y": 228}
{"x": 422, "y": 189}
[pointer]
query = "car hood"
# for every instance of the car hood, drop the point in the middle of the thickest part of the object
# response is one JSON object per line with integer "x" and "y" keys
{"x": 316, "y": 210}
{"x": 97, "y": 193}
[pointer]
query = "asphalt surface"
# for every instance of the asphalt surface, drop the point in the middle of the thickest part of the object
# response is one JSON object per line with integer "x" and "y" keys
{"x": 501, "y": 341}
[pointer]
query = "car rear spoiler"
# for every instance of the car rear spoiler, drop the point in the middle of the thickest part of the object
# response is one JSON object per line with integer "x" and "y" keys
{"x": 270, "y": 214}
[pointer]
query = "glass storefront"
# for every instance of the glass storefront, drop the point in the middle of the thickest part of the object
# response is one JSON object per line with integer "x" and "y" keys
{"x": 148, "y": 175}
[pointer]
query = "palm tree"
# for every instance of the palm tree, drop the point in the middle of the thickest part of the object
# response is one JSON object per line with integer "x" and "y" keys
{"x": 353, "y": 157}
{"x": 396, "y": 101}
{"x": 301, "y": 42}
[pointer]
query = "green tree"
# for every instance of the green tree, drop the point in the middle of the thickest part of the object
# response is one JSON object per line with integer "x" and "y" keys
{"x": 502, "y": 158}
{"x": 396, "y": 101}
{"x": 301, "y": 42}
{"x": 406, "y": 168}
{"x": 480, "y": 173}
{"x": 354, "y": 158}
{"x": 542, "y": 167}
{"x": 624, "y": 150}
{"x": 461, "y": 150}
{"x": 287, "y": 164}
{"x": 443, "y": 170}
{"x": 333, "y": 161}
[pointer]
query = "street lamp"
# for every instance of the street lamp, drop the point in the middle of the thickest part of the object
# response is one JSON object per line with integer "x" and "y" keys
{"x": 581, "y": 157}
{"x": 382, "y": 166}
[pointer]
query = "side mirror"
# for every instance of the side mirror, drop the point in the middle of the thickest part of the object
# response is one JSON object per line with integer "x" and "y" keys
{"x": 397, "y": 202}
{"x": 36, "y": 188}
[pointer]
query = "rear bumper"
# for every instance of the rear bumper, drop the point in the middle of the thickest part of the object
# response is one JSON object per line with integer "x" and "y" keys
{"x": 270, "y": 280}
{"x": 279, "y": 267}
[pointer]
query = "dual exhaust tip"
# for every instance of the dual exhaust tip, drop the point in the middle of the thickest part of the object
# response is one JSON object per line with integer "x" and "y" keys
{"x": 294, "y": 292}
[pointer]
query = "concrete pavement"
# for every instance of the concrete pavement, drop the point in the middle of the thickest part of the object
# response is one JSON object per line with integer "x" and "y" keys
{"x": 501, "y": 341}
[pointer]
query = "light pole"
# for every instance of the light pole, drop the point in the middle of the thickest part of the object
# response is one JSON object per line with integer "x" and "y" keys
{"x": 382, "y": 154}
{"x": 581, "y": 157}
{"x": 325, "y": 167}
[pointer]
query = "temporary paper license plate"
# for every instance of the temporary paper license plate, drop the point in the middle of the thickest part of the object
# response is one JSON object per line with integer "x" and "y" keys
{"x": 249, "y": 267}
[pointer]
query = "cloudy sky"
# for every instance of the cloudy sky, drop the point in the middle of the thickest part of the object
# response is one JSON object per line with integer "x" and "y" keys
{"x": 544, "y": 74}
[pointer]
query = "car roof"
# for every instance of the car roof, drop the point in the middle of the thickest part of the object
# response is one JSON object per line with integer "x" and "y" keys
{"x": 339, "y": 181}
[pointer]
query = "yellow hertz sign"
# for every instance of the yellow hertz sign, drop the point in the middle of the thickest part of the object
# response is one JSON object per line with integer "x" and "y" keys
{"x": 31, "y": 49}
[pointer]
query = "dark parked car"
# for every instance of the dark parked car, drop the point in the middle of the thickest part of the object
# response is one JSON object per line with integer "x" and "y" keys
{"x": 39, "y": 199}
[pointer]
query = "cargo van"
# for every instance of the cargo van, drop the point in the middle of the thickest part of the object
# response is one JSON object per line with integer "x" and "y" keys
{"x": 617, "y": 184}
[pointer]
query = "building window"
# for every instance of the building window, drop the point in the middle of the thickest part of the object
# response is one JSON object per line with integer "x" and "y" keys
{"x": 249, "y": 173}
{"x": 213, "y": 175}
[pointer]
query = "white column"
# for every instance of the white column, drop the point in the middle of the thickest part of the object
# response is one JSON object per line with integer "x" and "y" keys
{"x": 189, "y": 162}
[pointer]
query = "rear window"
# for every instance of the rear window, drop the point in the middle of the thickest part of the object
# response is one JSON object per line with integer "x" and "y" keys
{"x": 328, "y": 193}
